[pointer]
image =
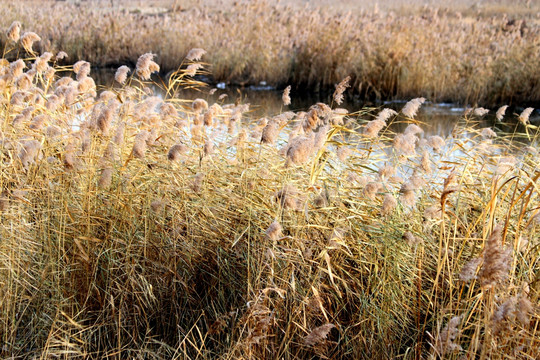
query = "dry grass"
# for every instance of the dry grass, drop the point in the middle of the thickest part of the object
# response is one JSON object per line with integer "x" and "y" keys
{"x": 134, "y": 226}
{"x": 486, "y": 53}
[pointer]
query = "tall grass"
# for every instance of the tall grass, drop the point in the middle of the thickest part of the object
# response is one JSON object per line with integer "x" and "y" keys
{"x": 134, "y": 226}
{"x": 484, "y": 54}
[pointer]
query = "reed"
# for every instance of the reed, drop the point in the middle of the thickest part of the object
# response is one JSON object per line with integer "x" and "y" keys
{"x": 480, "y": 54}
{"x": 134, "y": 226}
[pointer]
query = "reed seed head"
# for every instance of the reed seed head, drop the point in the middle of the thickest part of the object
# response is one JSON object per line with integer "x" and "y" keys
{"x": 500, "y": 112}
{"x": 286, "y": 96}
{"x": 197, "y": 183}
{"x": 525, "y": 114}
{"x": 191, "y": 69}
{"x": 29, "y": 152}
{"x": 497, "y": 260}
{"x": 28, "y": 39}
{"x": 388, "y": 205}
{"x": 146, "y": 66}
{"x": 105, "y": 178}
{"x": 289, "y": 198}
{"x": 195, "y": 54}
{"x": 487, "y": 133}
{"x": 121, "y": 74}
{"x": 176, "y": 151}
{"x": 270, "y": 132}
{"x": 14, "y": 31}
{"x": 446, "y": 340}
{"x": 468, "y": 271}
{"x": 199, "y": 105}
{"x": 299, "y": 150}
{"x": 140, "y": 144}
{"x": 340, "y": 89}
{"x": 411, "y": 108}
{"x": 274, "y": 231}
{"x": 318, "y": 334}
{"x": 480, "y": 111}
{"x": 372, "y": 189}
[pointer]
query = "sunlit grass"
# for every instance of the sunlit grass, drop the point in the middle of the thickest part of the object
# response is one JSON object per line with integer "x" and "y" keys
{"x": 138, "y": 226}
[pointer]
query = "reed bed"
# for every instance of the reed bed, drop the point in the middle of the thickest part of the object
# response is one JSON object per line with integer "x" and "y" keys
{"x": 485, "y": 54}
{"x": 137, "y": 226}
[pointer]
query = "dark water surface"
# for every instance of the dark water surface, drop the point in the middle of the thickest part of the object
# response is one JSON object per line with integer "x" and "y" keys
{"x": 435, "y": 118}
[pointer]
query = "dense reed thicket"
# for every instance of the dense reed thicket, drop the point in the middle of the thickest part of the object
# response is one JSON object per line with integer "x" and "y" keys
{"x": 137, "y": 226}
{"x": 477, "y": 55}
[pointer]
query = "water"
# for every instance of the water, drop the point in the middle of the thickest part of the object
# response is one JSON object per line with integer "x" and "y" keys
{"x": 434, "y": 118}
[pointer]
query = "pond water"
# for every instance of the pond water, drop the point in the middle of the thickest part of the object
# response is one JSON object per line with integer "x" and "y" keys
{"x": 435, "y": 118}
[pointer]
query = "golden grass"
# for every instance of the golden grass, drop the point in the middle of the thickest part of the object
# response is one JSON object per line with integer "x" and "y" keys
{"x": 484, "y": 53}
{"x": 135, "y": 226}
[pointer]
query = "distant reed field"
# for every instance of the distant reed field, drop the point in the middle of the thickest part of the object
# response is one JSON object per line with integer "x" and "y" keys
{"x": 484, "y": 53}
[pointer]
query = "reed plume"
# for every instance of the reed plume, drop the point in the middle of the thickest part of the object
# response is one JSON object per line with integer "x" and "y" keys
{"x": 199, "y": 105}
{"x": 196, "y": 185}
{"x": 176, "y": 151}
{"x": 14, "y": 31}
{"x": 270, "y": 132}
{"x": 318, "y": 334}
{"x": 146, "y": 66}
{"x": 121, "y": 74}
{"x": 286, "y": 96}
{"x": 386, "y": 171}
{"x": 432, "y": 212}
{"x": 389, "y": 204}
{"x": 118, "y": 137}
{"x": 340, "y": 89}
{"x": 487, "y": 133}
{"x": 436, "y": 142}
{"x": 468, "y": 271}
{"x": 299, "y": 150}
{"x": 41, "y": 63}
{"x": 105, "y": 178}
{"x": 343, "y": 152}
{"x": 411, "y": 108}
{"x": 61, "y": 56}
{"x": 140, "y": 144}
{"x": 29, "y": 152}
{"x": 23, "y": 82}
{"x": 496, "y": 260}
{"x": 372, "y": 189}
{"x": 28, "y": 39}
{"x": 195, "y": 54}
{"x": 500, "y": 112}
{"x": 411, "y": 239}
{"x": 525, "y": 114}
{"x": 372, "y": 128}
{"x": 105, "y": 118}
{"x": 208, "y": 148}
{"x": 515, "y": 309}
{"x": 425, "y": 162}
{"x": 446, "y": 340}
{"x": 413, "y": 129}
{"x": 191, "y": 70}
{"x": 311, "y": 120}
{"x": 82, "y": 69}
{"x": 38, "y": 122}
{"x": 480, "y": 111}
{"x": 289, "y": 198}
{"x": 157, "y": 205}
{"x": 405, "y": 144}
{"x": 274, "y": 231}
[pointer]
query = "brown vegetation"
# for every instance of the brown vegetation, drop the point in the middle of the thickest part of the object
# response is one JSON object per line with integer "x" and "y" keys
{"x": 484, "y": 54}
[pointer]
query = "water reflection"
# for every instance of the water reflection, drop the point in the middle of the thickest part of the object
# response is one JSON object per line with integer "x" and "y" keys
{"x": 435, "y": 119}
